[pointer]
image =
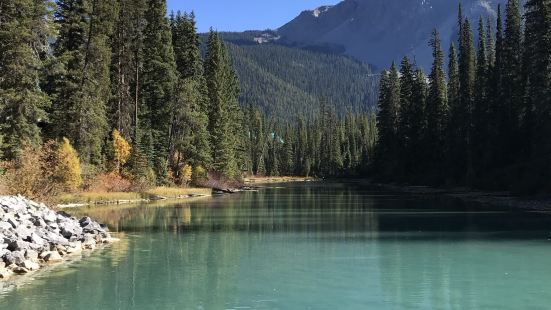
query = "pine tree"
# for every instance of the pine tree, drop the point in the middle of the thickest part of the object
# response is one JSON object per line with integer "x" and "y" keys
{"x": 461, "y": 114}
{"x": 159, "y": 79}
{"x": 387, "y": 121}
{"x": 405, "y": 121}
{"x": 481, "y": 108}
{"x": 301, "y": 147}
{"x": 512, "y": 93}
{"x": 81, "y": 83}
{"x": 186, "y": 43}
{"x": 288, "y": 151}
{"x": 126, "y": 67}
{"x": 436, "y": 109}
{"x": 490, "y": 47}
{"x": 224, "y": 113}
{"x": 25, "y": 27}
{"x": 189, "y": 133}
{"x": 417, "y": 156}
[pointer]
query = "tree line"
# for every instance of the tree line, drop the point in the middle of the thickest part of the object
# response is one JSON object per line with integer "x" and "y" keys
{"x": 487, "y": 123}
{"x": 324, "y": 145}
{"x": 285, "y": 81}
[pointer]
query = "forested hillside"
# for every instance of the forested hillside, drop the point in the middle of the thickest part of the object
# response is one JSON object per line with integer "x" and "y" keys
{"x": 296, "y": 78}
{"x": 284, "y": 80}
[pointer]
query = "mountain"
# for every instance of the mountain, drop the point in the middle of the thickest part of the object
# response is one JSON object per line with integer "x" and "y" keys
{"x": 334, "y": 52}
{"x": 286, "y": 81}
{"x": 381, "y": 31}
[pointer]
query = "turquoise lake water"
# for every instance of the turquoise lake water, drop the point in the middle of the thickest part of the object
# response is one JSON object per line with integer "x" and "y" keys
{"x": 306, "y": 246}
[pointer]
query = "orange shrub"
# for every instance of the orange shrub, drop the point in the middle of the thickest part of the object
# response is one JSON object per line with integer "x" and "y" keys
{"x": 32, "y": 174}
{"x": 110, "y": 182}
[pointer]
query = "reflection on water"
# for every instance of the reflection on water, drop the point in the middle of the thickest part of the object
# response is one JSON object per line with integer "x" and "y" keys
{"x": 306, "y": 246}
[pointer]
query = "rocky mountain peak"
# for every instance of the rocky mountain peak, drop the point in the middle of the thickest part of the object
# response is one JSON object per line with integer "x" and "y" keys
{"x": 382, "y": 31}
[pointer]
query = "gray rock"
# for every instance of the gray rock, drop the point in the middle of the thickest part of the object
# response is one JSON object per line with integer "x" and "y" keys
{"x": 50, "y": 216}
{"x": 23, "y": 232}
{"x": 19, "y": 270}
{"x": 10, "y": 219}
{"x": 30, "y": 265}
{"x": 31, "y": 255}
{"x": 36, "y": 239}
{"x": 5, "y": 273}
{"x": 74, "y": 247}
{"x": 15, "y": 257}
{"x": 89, "y": 242}
{"x": 52, "y": 257}
{"x": 28, "y": 228}
{"x": 5, "y": 226}
{"x": 18, "y": 245}
{"x": 85, "y": 221}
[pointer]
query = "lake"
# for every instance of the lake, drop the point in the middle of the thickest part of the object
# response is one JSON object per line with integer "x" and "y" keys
{"x": 306, "y": 246}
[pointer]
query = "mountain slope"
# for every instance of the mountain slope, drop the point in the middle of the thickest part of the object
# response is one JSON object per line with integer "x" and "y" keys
{"x": 286, "y": 81}
{"x": 381, "y": 31}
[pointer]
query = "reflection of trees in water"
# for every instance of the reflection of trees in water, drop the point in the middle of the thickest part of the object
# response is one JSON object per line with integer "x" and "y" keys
{"x": 201, "y": 245}
{"x": 428, "y": 274}
{"x": 309, "y": 209}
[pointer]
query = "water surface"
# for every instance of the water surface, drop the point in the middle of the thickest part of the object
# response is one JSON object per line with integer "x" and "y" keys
{"x": 306, "y": 246}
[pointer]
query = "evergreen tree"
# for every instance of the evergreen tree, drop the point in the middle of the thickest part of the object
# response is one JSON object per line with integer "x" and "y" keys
{"x": 417, "y": 156}
{"x": 490, "y": 47}
{"x": 224, "y": 114}
{"x": 81, "y": 83}
{"x": 512, "y": 93}
{"x": 189, "y": 133}
{"x": 25, "y": 27}
{"x": 436, "y": 109}
{"x": 461, "y": 114}
{"x": 405, "y": 121}
{"x": 302, "y": 148}
{"x": 481, "y": 108}
{"x": 159, "y": 79}
{"x": 126, "y": 66}
{"x": 288, "y": 151}
{"x": 387, "y": 121}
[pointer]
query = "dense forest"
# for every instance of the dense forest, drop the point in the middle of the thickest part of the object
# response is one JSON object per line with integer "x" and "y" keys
{"x": 285, "y": 81}
{"x": 122, "y": 92}
{"x": 486, "y": 125}
{"x": 119, "y": 91}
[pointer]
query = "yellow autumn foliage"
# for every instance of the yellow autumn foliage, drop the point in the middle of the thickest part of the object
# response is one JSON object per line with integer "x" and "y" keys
{"x": 122, "y": 149}
{"x": 67, "y": 171}
{"x": 185, "y": 174}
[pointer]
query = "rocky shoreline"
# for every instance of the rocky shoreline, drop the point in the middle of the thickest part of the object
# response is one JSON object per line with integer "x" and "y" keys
{"x": 33, "y": 236}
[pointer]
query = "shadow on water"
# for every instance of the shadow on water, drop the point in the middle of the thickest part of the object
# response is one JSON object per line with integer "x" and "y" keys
{"x": 351, "y": 211}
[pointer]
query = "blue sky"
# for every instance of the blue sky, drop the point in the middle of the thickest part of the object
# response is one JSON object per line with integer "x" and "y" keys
{"x": 239, "y": 15}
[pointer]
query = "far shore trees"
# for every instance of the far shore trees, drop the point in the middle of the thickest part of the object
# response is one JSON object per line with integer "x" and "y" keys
{"x": 499, "y": 99}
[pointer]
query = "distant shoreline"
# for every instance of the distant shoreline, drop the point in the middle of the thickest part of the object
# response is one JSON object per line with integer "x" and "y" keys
{"x": 495, "y": 198}
{"x": 248, "y": 181}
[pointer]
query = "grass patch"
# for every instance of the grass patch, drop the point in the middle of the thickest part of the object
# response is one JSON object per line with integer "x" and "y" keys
{"x": 92, "y": 197}
{"x": 267, "y": 180}
{"x": 106, "y": 197}
{"x": 175, "y": 192}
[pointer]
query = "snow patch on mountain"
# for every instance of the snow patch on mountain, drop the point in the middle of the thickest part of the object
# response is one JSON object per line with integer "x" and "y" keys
{"x": 322, "y": 9}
